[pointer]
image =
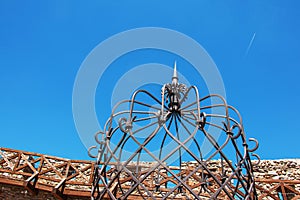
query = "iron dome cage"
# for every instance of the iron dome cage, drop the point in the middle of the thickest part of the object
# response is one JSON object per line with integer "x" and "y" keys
{"x": 177, "y": 146}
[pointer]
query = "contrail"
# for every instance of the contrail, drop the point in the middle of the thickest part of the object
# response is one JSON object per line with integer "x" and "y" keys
{"x": 250, "y": 44}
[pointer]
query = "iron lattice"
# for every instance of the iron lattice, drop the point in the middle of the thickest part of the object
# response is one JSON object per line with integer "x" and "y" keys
{"x": 180, "y": 146}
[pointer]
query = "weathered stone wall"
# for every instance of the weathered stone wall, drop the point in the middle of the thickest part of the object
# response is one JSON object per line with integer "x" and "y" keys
{"x": 278, "y": 169}
{"x": 266, "y": 170}
{"x": 10, "y": 192}
{"x": 285, "y": 169}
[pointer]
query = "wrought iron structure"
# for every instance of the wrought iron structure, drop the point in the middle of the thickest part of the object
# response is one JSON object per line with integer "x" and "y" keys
{"x": 179, "y": 128}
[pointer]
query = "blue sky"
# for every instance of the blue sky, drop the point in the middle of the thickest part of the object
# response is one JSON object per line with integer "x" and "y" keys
{"x": 43, "y": 43}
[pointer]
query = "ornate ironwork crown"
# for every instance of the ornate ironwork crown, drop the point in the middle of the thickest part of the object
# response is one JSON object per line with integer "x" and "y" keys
{"x": 178, "y": 146}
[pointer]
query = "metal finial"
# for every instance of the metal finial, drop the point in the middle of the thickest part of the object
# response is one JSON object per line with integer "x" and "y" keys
{"x": 175, "y": 77}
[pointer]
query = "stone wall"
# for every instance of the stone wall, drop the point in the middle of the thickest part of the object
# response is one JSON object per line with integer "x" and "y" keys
{"x": 10, "y": 192}
{"x": 288, "y": 170}
{"x": 278, "y": 169}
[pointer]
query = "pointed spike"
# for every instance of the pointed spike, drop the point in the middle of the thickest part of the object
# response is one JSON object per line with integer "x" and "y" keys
{"x": 175, "y": 71}
{"x": 175, "y": 77}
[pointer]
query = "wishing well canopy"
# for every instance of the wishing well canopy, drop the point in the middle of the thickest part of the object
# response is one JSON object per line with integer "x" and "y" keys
{"x": 174, "y": 145}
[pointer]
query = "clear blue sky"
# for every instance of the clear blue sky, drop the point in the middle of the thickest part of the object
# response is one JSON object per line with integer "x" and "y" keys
{"x": 43, "y": 43}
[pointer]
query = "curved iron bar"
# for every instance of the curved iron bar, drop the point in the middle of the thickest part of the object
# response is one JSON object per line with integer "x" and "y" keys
{"x": 109, "y": 121}
{"x": 188, "y": 150}
{"x": 178, "y": 137}
{"x": 134, "y": 96}
{"x": 234, "y": 126}
{"x": 156, "y": 158}
{"x": 132, "y": 156}
{"x": 218, "y": 150}
{"x": 89, "y": 151}
{"x": 197, "y": 98}
{"x": 210, "y": 96}
{"x": 122, "y": 140}
{"x": 119, "y": 143}
{"x": 208, "y": 123}
{"x": 196, "y": 142}
{"x": 256, "y": 145}
{"x": 160, "y": 162}
{"x": 164, "y": 138}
